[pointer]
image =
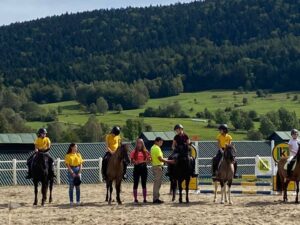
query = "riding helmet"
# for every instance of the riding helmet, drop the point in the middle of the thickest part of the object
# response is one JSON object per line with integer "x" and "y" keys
{"x": 116, "y": 130}
{"x": 223, "y": 127}
{"x": 178, "y": 126}
{"x": 294, "y": 131}
{"x": 76, "y": 181}
{"x": 42, "y": 131}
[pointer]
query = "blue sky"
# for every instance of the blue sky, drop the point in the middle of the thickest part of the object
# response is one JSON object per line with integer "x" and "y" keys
{"x": 23, "y": 10}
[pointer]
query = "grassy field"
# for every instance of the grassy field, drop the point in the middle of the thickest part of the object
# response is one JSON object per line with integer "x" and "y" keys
{"x": 191, "y": 103}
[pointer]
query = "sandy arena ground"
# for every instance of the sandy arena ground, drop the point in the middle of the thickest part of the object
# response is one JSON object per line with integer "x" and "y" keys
{"x": 247, "y": 209}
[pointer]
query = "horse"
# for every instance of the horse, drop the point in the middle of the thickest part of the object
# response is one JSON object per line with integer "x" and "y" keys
{"x": 40, "y": 173}
{"x": 115, "y": 170}
{"x": 225, "y": 174}
{"x": 180, "y": 172}
{"x": 285, "y": 179}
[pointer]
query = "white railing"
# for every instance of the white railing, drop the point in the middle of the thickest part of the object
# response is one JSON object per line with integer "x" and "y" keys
{"x": 58, "y": 168}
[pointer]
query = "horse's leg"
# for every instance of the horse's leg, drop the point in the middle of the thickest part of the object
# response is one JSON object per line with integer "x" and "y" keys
{"x": 286, "y": 184}
{"x": 216, "y": 190}
{"x": 297, "y": 191}
{"x": 50, "y": 189}
{"x": 173, "y": 186}
{"x": 229, "y": 191}
{"x": 118, "y": 190}
{"x": 187, "y": 184}
{"x": 35, "y": 192}
{"x": 45, "y": 185}
{"x": 110, "y": 191}
{"x": 225, "y": 191}
{"x": 107, "y": 188}
{"x": 222, "y": 191}
{"x": 179, "y": 183}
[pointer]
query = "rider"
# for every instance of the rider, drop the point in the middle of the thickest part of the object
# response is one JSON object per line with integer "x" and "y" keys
{"x": 293, "y": 147}
{"x": 42, "y": 144}
{"x": 113, "y": 142}
{"x": 223, "y": 139}
{"x": 181, "y": 141}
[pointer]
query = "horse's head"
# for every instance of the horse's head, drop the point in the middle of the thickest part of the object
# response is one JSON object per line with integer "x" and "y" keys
{"x": 123, "y": 152}
{"x": 229, "y": 153}
{"x": 41, "y": 161}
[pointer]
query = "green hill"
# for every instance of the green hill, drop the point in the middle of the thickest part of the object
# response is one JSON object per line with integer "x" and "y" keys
{"x": 213, "y": 100}
{"x": 214, "y": 44}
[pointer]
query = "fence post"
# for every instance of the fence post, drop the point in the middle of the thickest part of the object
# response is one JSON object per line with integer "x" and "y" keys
{"x": 58, "y": 170}
{"x": 197, "y": 158}
{"x": 14, "y": 165}
{"x": 100, "y": 172}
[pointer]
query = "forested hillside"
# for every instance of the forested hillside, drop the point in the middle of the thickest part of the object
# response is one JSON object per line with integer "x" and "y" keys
{"x": 210, "y": 44}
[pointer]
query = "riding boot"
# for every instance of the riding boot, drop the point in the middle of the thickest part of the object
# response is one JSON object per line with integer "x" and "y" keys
{"x": 214, "y": 167}
{"x": 29, "y": 165}
{"x": 289, "y": 168}
{"x": 29, "y": 173}
{"x": 124, "y": 170}
{"x": 235, "y": 169}
{"x": 193, "y": 168}
{"x": 104, "y": 169}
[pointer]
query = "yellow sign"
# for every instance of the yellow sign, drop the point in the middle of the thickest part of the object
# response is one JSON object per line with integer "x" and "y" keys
{"x": 291, "y": 186}
{"x": 280, "y": 151}
{"x": 264, "y": 165}
{"x": 194, "y": 180}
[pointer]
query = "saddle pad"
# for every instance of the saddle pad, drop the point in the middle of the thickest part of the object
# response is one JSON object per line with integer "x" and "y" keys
{"x": 286, "y": 165}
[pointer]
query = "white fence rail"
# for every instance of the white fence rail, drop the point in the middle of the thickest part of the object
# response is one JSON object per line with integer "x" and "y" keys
{"x": 60, "y": 167}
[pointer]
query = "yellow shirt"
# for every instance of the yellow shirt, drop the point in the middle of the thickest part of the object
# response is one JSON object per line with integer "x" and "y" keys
{"x": 42, "y": 144}
{"x": 155, "y": 153}
{"x": 73, "y": 159}
{"x": 113, "y": 142}
{"x": 224, "y": 140}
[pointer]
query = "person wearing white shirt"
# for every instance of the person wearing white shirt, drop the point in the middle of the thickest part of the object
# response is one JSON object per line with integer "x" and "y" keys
{"x": 293, "y": 147}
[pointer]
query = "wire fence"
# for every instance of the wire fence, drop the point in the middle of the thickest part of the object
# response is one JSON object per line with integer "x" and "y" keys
{"x": 13, "y": 172}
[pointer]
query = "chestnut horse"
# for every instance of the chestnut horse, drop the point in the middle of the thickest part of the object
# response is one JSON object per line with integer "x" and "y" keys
{"x": 115, "y": 168}
{"x": 225, "y": 174}
{"x": 285, "y": 179}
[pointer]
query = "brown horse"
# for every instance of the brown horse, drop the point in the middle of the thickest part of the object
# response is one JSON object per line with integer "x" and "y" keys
{"x": 285, "y": 179}
{"x": 115, "y": 170}
{"x": 225, "y": 174}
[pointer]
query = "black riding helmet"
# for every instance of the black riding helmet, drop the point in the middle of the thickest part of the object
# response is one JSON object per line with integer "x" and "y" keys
{"x": 116, "y": 130}
{"x": 42, "y": 131}
{"x": 223, "y": 127}
{"x": 294, "y": 131}
{"x": 178, "y": 126}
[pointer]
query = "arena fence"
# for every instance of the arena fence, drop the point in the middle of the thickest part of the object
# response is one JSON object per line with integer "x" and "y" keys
{"x": 12, "y": 172}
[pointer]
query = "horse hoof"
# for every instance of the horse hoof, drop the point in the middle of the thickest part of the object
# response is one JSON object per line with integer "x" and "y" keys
{"x": 109, "y": 202}
{"x": 222, "y": 202}
{"x": 119, "y": 203}
{"x": 230, "y": 203}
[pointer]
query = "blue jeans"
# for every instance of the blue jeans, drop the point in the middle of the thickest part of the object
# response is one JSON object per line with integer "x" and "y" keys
{"x": 71, "y": 185}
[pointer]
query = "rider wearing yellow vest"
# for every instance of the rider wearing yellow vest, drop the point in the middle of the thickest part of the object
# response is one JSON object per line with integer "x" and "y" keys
{"x": 113, "y": 142}
{"x": 223, "y": 139}
{"x": 41, "y": 144}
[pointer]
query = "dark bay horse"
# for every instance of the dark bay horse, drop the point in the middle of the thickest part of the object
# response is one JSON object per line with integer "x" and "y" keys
{"x": 115, "y": 170}
{"x": 180, "y": 172}
{"x": 225, "y": 174}
{"x": 285, "y": 179}
{"x": 40, "y": 173}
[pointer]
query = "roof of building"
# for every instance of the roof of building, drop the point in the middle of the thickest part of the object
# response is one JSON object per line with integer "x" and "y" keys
{"x": 17, "y": 138}
{"x": 283, "y": 135}
{"x": 166, "y": 136}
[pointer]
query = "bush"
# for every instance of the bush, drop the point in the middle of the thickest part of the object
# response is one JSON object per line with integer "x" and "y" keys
{"x": 254, "y": 135}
